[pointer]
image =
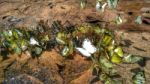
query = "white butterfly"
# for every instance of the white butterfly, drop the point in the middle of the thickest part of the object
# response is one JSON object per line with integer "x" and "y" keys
{"x": 119, "y": 20}
{"x": 33, "y": 41}
{"x": 87, "y": 49}
{"x": 10, "y": 32}
{"x": 100, "y": 6}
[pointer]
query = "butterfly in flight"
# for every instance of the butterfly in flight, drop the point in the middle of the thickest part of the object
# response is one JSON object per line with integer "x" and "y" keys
{"x": 87, "y": 48}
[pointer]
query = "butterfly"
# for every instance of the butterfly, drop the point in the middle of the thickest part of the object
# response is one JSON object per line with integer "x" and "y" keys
{"x": 33, "y": 41}
{"x": 100, "y": 6}
{"x": 87, "y": 48}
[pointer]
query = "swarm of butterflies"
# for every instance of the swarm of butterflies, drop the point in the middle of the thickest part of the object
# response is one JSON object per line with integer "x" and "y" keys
{"x": 89, "y": 40}
{"x": 18, "y": 41}
{"x": 99, "y": 44}
{"x": 101, "y": 4}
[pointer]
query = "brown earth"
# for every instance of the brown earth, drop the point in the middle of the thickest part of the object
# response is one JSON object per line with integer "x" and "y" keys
{"x": 51, "y": 67}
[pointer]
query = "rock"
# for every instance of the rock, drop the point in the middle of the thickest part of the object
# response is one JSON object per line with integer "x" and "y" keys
{"x": 9, "y": 22}
{"x": 47, "y": 76}
{"x": 22, "y": 79}
{"x": 20, "y": 22}
{"x": 44, "y": 69}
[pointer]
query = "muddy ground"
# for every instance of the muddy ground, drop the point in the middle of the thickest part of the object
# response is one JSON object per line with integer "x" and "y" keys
{"x": 51, "y": 67}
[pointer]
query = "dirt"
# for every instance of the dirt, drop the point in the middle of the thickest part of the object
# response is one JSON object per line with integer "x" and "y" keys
{"x": 51, "y": 67}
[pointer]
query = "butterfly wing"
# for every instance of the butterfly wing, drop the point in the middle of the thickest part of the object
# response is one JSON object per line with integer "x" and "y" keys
{"x": 84, "y": 52}
{"x": 87, "y": 45}
{"x": 98, "y": 6}
{"x": 103, "y": 7}
{"x": 33, "y": 41}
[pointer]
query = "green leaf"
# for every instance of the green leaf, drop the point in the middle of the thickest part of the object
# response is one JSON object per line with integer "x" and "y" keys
{"x": 132, "y": 58}
{"x": 119, "y": 51}
{"x": 139, "y": 77}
